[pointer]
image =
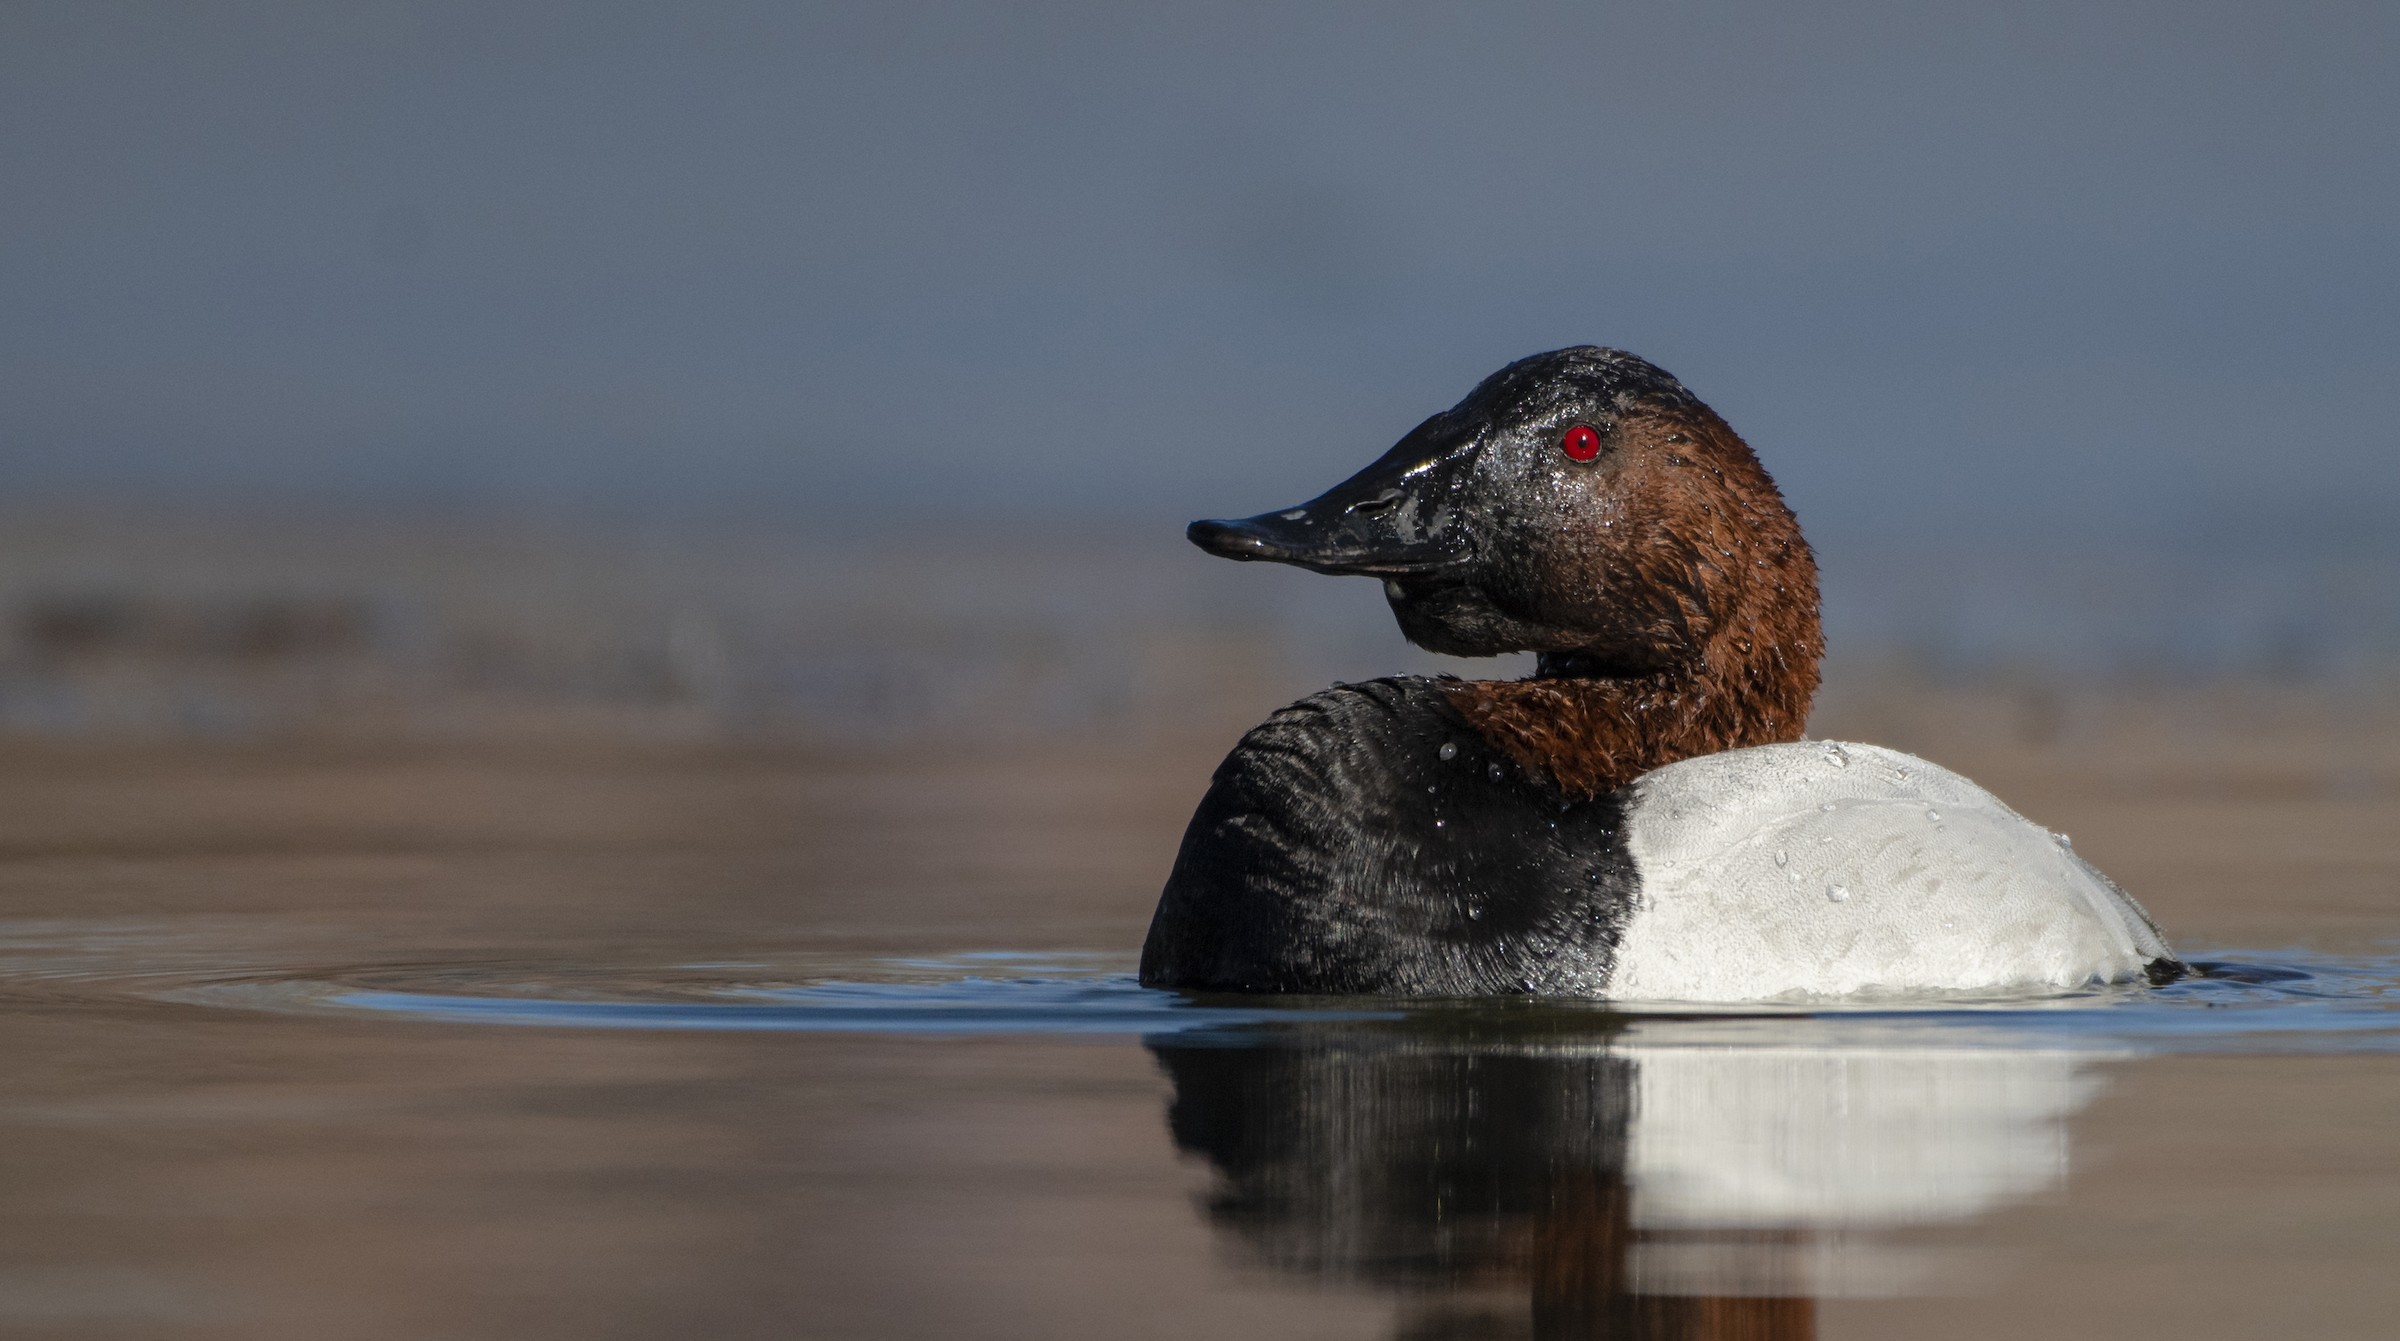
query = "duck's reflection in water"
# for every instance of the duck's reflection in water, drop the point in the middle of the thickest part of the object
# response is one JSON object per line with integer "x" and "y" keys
{"x": 1704, "y": 1179}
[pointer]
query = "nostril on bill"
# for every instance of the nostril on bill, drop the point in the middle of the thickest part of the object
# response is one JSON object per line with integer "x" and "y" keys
{"x": 1378, "y": 503}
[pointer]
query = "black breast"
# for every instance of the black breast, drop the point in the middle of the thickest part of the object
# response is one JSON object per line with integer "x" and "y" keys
{"x": 1367, "y": 839}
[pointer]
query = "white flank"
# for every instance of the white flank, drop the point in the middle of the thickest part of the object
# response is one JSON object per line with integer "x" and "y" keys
{"x": 1818, "y": 869}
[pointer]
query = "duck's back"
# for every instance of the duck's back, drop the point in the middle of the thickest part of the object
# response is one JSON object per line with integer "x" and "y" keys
{"x": 1368, "y": 840}
{"x": 1822, "y": 869}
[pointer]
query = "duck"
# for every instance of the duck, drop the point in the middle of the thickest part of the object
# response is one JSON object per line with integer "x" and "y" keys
{"x": 1643, "y": 817}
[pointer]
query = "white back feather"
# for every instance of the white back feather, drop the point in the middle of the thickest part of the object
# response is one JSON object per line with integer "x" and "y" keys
{"x": 1822, "y": 869}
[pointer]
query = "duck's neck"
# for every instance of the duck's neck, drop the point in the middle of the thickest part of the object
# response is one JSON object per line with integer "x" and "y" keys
{"x": 1593, "y": 732}
{"x": 1733, "y": 665}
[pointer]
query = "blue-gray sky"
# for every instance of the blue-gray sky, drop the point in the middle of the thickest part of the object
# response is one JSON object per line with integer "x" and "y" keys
{"x": 2034, "y": 268}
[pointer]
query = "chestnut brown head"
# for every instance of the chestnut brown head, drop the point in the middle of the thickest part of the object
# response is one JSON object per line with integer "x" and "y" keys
{"x": 1580, "y": 504}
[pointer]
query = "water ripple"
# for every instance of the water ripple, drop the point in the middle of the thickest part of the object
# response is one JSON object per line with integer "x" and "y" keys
{"x": 2262, "y": 1001}
{"x": 2258, "y": 1002}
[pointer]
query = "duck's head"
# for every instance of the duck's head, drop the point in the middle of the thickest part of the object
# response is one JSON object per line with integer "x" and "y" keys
{"x": 1580, "y": 504}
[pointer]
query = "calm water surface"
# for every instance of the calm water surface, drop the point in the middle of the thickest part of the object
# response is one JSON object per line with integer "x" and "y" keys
{"x": 444, "y": 1048}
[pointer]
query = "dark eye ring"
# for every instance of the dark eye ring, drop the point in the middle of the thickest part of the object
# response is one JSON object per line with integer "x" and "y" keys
{"x": 1580, "y": 443}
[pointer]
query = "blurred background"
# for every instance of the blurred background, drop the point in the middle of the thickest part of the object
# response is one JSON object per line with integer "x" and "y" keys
{"x": 757, "y": 370}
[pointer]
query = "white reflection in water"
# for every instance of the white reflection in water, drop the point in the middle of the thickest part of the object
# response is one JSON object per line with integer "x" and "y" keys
{"x": 1838, "y": 1140}
{"x": 1820, "y": 1137}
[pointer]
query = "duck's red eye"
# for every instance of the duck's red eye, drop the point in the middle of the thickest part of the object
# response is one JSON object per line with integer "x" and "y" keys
{"x": 1581, "y": 443}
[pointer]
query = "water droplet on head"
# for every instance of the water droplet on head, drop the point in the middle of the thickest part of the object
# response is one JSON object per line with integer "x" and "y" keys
{"x": 1439, "y": 823}
{"x": 1474, "y": 912}
{"x": 1838, "y": 893}
{"x": 1837, "y": 756}
{"x": 1933, "y": 814}
{"x": 1492, "y": 771}
{"x": 1949, "y": 924}
{"x": 1782, "y": 858}
{"x": 1449, "y": 750}
{"x": 2063, "y": 840}
{"x": 1827, "y": 807}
